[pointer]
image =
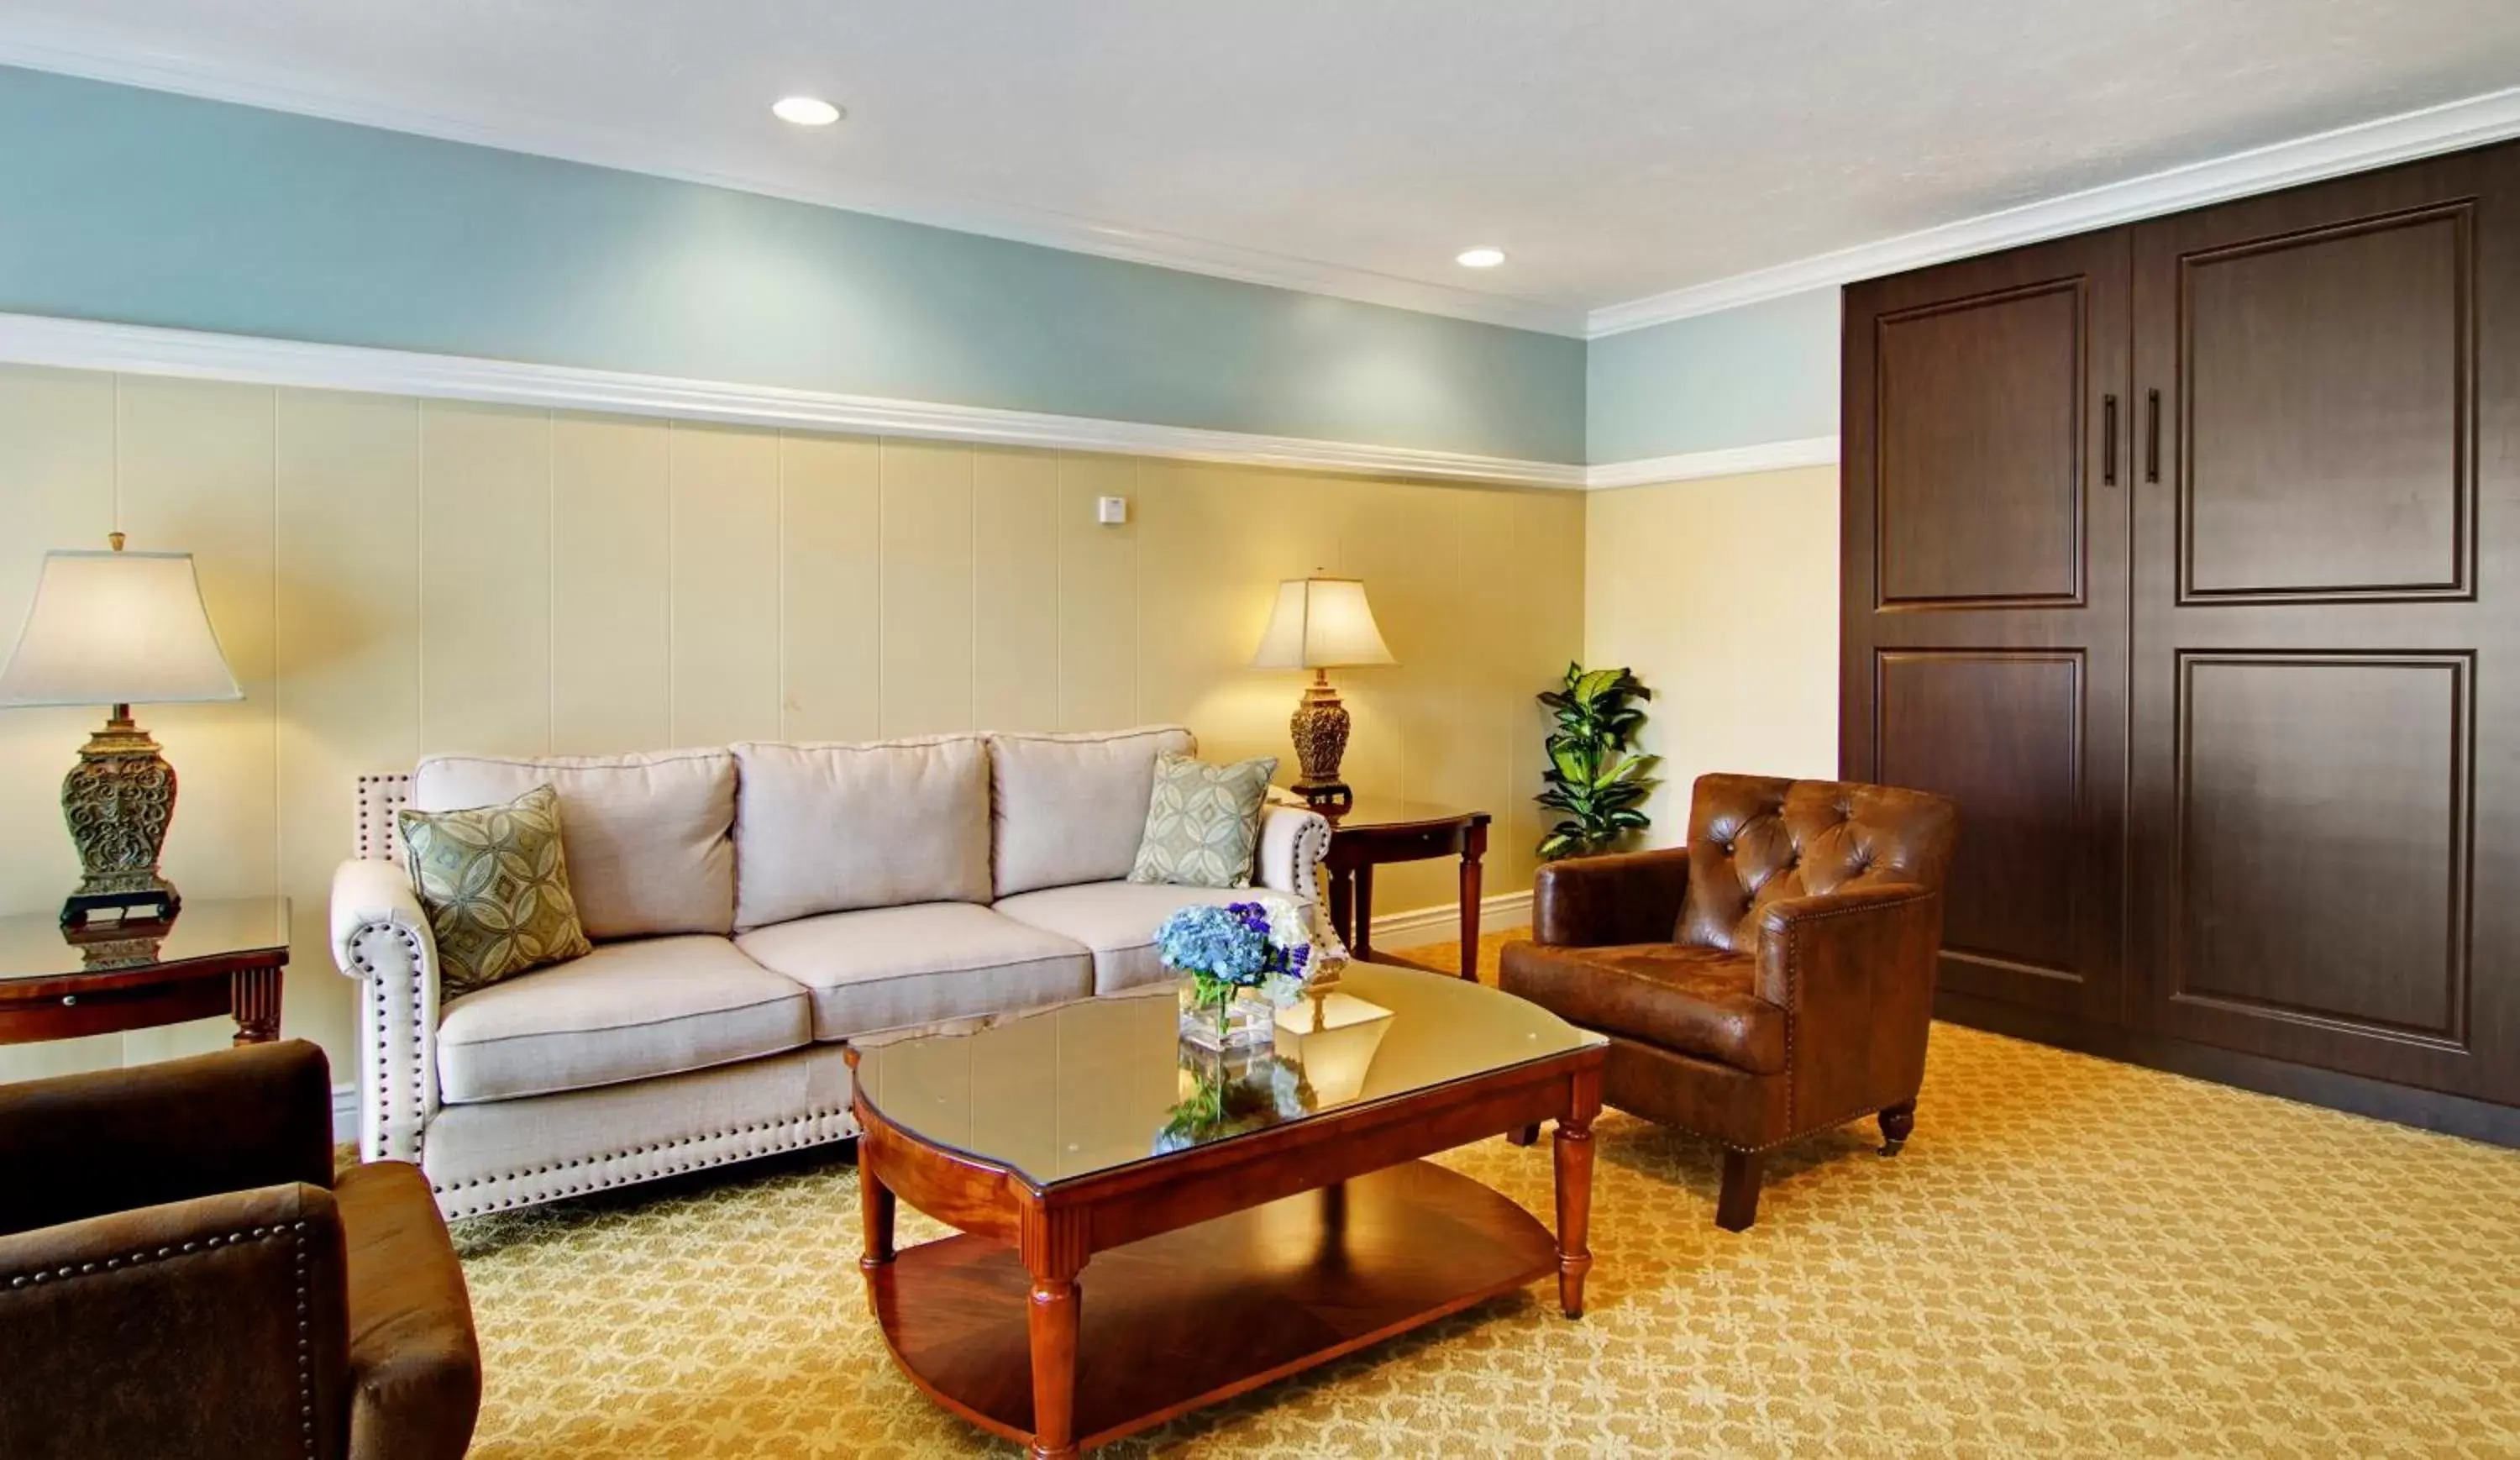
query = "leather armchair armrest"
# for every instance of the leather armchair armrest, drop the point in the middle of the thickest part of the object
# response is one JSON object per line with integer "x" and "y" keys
{"x": 1811, "y": 948}
{"x": 1854, "y": 970}
{"x": 1594, "y": 902}
{"x": 381, "y": 936}
{"x": 213, "y": 1326}
{"x": 77, "y": 1145}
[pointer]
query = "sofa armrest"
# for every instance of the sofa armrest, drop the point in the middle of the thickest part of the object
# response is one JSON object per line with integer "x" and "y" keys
{"x": 213, "y": 1326}
{"x": 1597, "y": 902}
{"x": 381, "y": 936}
{"x": 1293, "y": 841}
{"x": 1854, "y": 971}
{"x": 77, "y": 1145}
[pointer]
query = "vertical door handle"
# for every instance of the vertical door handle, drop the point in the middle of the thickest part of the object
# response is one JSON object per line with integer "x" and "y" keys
{"x": 2153, "y": 436}
{"x": 2108, "y": 441}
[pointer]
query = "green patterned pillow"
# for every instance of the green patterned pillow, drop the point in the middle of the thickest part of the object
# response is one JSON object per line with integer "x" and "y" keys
{"x": 1204, "y": 822}
{"x": 495, "y": 887}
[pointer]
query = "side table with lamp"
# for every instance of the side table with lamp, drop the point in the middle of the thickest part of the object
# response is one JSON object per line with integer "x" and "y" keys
{"x": 116, "y": 628}
{"x": 1322, "y": 623}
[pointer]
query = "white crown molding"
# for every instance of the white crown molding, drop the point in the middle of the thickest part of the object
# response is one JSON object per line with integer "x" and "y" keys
{"x": 2472, "y": 122}
{"x": 142, "y": 349}
{"x": 521, "y": 131}
{"x": 1697, "y": 466}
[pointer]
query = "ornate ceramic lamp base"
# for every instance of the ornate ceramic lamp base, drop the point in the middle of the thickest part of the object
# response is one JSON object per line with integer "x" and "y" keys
{"x": 1319, "y": 726}
{"x": 117, "y": 801}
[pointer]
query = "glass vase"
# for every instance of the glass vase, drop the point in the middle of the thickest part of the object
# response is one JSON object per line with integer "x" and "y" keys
{"x": 1244, "y": 1018}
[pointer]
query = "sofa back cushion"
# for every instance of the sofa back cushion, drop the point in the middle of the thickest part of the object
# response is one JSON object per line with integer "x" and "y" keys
{"x": 827, "y": 828}
{"x": 649, "y": 838}
{"x": 1072, "y": 808}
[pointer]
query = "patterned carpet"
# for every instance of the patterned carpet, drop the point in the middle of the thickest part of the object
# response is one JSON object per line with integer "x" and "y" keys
{"x": 2072, "y": 1258}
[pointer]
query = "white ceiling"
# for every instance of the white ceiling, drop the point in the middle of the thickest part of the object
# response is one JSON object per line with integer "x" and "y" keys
{"x": 1616, "y": 149}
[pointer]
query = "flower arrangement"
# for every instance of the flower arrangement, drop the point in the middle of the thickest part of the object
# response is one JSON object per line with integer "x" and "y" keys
{"x": 1262, "y": 949}
{"x": 1227, "y": 1093}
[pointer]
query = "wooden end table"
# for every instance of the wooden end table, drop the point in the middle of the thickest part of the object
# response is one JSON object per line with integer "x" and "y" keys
{"x": 1369, "y": 833}
{"x": 1230, "y": 1246}
{"x": 215, "y": 957}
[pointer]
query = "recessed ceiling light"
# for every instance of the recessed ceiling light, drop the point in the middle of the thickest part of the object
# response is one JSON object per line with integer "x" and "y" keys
{"x": 806, "y": 111}
{"x": 1479, "y": 259}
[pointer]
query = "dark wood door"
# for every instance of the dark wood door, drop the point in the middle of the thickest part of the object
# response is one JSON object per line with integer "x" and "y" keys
{"x": 2326, "y": 633}
{"x": 1985, "y": 597}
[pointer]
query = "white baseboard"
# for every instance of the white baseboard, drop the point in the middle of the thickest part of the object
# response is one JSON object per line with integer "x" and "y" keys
{"x": 345, "y": 1115}
{"x": 1442, "y": 924}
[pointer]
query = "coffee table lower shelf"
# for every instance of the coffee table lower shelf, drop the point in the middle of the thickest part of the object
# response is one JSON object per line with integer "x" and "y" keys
{"x": 1192, "y": 1316}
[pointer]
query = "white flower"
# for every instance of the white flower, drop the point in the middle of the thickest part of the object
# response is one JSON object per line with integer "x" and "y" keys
{"x": 1290, "y": 927}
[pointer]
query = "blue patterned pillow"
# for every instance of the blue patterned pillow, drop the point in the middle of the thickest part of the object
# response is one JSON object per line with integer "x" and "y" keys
{"x": 1204, "y": 822}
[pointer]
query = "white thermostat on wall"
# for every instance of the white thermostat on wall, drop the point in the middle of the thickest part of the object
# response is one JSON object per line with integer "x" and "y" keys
{"x": 1111, "y": 512}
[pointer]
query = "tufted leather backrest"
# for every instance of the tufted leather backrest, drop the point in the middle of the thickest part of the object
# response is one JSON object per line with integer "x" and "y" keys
{"x": 1757, "y": 839}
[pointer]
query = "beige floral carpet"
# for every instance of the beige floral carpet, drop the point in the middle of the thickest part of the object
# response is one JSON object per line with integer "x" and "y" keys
{"x": 2072, "y": 1258}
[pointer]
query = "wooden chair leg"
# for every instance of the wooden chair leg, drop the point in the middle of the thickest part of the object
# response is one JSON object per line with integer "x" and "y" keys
{"x": 1739, "y": 1204}
{"x": 1528, "y": 1135}
{"x": 1896, "y": 1122}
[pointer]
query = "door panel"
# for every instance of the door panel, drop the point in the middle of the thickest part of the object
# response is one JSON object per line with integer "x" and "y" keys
{"x": 1984, "y": 616}
{"x": 2322, "y": 840}
{"x": 2326, "y": 614}
{"x": 2355, "y": 338}
{"x": 1982, "y": 391}
{"x": 2013, "y": 904}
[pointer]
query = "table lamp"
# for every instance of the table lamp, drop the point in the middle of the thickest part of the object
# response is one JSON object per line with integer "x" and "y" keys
{"x": 1321, "y": 624}
{"x": 117, "y": 628}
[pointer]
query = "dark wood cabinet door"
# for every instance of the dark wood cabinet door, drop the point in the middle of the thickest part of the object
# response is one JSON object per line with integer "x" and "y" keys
{"x": 2326, "y": 628}
{"x": 1986, "y": 433}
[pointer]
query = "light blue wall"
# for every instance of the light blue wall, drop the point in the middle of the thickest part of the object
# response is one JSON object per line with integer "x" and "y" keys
{"x": 1764, "y": 372}
{"x": 144, "y": 208}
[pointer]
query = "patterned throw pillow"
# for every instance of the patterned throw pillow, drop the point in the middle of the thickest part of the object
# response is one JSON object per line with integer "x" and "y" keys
{"x": 1202, "y": 822}
{"x": 495, "y": 888}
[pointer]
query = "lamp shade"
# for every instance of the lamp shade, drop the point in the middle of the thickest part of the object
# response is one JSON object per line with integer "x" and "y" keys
{"x": 1321, "y": 624}
{"x": 116, "y": 628}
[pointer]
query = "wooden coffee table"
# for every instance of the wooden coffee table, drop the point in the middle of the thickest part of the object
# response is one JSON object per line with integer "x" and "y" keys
{"x": 1248, "y": 1218}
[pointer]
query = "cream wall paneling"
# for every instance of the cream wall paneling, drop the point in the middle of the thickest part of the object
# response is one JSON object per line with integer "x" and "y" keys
{"x": 1722, "y": 595}
{"x": 394, "y": 575}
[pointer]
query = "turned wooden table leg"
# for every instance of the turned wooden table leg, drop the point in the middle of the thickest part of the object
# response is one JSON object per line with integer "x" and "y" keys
{"x": 875, "y": 1210}
{"x": 1361, "y": 942}
{"x": 1052, "y": 1326}
{"x": 1574, "y": 1152}
{"x": 1054, "y": 1253}
{"x": 253, "y": 998}
{"x": 1474, "y": 845}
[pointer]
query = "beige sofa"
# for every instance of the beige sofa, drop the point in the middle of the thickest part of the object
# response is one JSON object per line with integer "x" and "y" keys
{"x": 752, "y": 909}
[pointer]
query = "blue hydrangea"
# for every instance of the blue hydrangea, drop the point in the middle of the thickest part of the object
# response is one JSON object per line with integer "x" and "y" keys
{"x": 1229, "y": 944}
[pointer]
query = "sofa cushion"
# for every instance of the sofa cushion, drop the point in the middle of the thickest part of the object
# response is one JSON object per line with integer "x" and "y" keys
{"x": 827, "y": 828}
{"x": 649, "y": 838}
{"x": 626, "y": 1011}
{"x": 1696, "y": 1001}
{"x": 1117, "y": 921}
{"x": 1072, "y": 808}
{"x": 890, "y": 967}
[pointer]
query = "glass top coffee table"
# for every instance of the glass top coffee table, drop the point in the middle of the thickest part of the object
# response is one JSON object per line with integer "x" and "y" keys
{"x": 1248, "y": 1216}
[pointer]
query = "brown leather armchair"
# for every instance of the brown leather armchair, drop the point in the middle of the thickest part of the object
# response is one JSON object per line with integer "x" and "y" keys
{"x": 1772, "y": 978}
{"x": 180, "y": 1274}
